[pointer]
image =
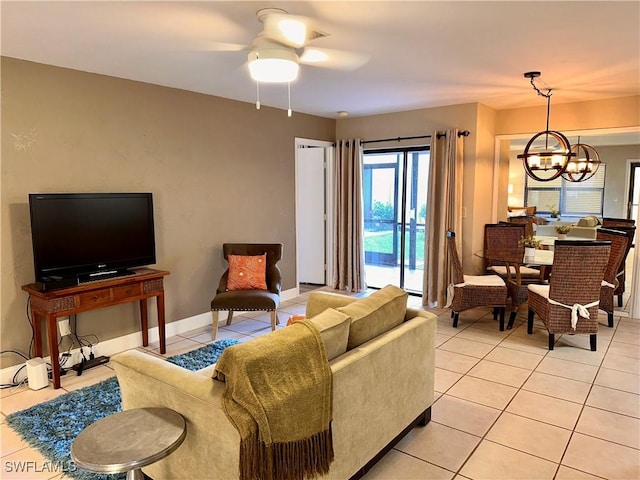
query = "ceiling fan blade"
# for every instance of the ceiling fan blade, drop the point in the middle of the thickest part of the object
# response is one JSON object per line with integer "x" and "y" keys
{"x": 214, "y": 46}
{"x": 332, "y": 58}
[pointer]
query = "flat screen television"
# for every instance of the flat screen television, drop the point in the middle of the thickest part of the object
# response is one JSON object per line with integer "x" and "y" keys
{"x": 79, "y": 237}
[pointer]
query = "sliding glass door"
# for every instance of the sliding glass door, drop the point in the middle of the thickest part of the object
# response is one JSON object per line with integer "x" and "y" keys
{"x": 395, "y": 193}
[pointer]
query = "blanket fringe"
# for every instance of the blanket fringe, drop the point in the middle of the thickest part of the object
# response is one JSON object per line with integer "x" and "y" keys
{"x": 308, "y": 458}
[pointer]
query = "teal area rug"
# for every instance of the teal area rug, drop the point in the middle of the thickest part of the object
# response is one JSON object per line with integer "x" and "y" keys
{"x": 52, "y": 426}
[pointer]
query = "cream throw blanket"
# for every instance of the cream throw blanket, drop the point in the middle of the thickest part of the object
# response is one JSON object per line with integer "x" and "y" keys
{"x": 279, "y": 397}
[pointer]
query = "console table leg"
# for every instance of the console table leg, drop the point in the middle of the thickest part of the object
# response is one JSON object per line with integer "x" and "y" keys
{"x": 52, "y": 333}
{"x": 161, "y": 322}
{"x": 144, "y": 323}
{"x": 37, "y": 333}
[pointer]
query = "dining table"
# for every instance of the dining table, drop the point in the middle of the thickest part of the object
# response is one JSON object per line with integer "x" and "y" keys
{"x": 549, "y": 241}
{"x": 516, "y": 256}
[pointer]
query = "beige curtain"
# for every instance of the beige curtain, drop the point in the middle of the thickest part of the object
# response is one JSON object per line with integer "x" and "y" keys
{"x": 348, "y": 232}
{"x": 444, "y": 212}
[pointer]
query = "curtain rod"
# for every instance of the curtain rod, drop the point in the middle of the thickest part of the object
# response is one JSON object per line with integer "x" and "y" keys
{"x": 463, "y": 133}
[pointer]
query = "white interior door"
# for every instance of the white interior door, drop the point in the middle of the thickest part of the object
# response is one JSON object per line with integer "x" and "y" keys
{"x": 310, "y": 214}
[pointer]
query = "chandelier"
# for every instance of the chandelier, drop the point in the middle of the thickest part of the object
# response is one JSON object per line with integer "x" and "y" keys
{"x": 548, "y": 153}
{"x": 584, "y": 165}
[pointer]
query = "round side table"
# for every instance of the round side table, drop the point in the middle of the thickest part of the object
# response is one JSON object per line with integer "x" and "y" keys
{"x": 128, "y": 441}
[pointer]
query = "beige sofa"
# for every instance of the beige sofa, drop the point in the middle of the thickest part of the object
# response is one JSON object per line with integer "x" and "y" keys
{"x": 585, "y": 230}
{"x": 381, "y": 389}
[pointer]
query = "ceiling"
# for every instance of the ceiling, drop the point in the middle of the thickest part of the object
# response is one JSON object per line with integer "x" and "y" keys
{"x": 413, "y": 54}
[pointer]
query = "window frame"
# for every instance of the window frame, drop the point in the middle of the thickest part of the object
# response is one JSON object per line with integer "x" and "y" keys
{"x": 565, "y": 187}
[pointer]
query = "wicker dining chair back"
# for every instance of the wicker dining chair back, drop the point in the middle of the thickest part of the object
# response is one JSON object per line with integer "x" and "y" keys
{"x": 504, "y": 239}
{"x": 618, "y": 222}
{"x": 630, "y": 231}
{"x": 503, "y": 235}
{"x": 619, "y": 243}
{"x": 470, "y": 291}
{"x": 457, "y": 275}
{"x": 578, "y": 270}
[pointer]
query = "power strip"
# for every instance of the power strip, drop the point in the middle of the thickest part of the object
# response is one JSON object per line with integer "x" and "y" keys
{"x": 86, "y": 364}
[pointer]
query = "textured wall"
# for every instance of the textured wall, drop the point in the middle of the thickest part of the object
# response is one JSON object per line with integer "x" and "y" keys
{"x": 219, "y": 170}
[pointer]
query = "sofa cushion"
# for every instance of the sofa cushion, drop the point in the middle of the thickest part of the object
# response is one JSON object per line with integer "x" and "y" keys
{"x": 247, "y": 272}
{"x": 319, "y": 301}
{"x": 334, "y": 331}
{"x": 375, "y": 314}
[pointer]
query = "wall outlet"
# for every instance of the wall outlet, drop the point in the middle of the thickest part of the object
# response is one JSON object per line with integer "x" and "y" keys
{"x": 64, "y": 327}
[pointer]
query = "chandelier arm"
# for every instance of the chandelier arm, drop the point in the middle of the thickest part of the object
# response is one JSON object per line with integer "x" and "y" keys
{"x": 546, "y": 139}
{"x": 546, "y": 95}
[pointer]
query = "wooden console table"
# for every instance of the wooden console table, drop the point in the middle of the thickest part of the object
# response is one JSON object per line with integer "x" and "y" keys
{"x": 144, "y": 283}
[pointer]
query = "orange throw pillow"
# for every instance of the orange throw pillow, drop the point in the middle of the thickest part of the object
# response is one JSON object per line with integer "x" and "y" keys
{"x": 295, "y": 318}
{"x": 247, "y": 272}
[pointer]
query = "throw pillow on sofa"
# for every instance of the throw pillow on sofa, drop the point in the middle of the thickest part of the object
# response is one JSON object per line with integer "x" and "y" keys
{"x": 334, "y": 331}
{"x": 333, "y": 327}
{"x": 375, "y": 314}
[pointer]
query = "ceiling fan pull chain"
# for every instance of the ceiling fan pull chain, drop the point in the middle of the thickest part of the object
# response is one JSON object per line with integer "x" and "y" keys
{"x": 257, "y": 95}
{"x": 289, "y": 96}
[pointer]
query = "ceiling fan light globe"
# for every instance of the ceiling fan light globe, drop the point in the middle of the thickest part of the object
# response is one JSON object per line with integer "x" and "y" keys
{"x": 273, "y": 65}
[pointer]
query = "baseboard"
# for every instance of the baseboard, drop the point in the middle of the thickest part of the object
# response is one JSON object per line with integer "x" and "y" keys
{"x": 133, "y": 340}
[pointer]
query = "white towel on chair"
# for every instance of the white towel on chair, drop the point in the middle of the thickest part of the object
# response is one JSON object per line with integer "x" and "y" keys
{"x": 576, "y": 309}
{"x": 482, "y": 280}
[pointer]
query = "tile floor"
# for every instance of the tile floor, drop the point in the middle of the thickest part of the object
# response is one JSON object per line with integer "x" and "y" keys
{"x": 506, "y": 407}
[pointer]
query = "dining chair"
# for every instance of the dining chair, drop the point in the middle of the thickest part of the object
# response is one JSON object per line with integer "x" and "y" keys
{"x": 503, "y": 239}
{"x": 619, "y": 242}
{"x": 249, "y": 298}
{"x": 569, "y": 303}
{"x": 617, "y": 222}
{"x": 471, "y": 291}
{"x": 500, "y": 236}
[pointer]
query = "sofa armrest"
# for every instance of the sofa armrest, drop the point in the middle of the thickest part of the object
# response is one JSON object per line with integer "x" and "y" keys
{"x": 414, "y": 312}
{"x": 379, "y": 388}
{"x": 320, "y": 301}
{"x": 212, "y": 442}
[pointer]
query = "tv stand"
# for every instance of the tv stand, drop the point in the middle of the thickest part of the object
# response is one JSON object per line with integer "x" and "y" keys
{"x": 140, "y": 285}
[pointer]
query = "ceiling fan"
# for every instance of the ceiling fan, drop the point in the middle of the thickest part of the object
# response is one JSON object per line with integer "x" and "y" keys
{"x": 282, "y": 45}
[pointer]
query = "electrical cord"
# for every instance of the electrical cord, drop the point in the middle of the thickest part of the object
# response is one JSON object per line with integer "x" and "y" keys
{"x": 33, "y": 332}
{"x": 82, "y": 339}
{"x": 63, "y": 358}
{"x": 14, "y": 381}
